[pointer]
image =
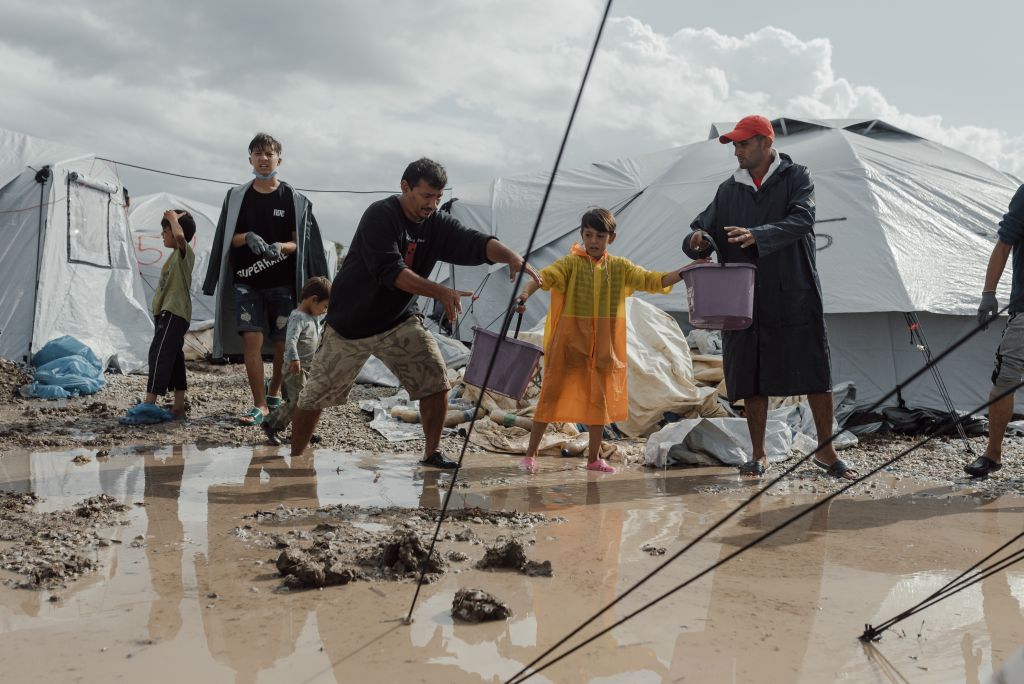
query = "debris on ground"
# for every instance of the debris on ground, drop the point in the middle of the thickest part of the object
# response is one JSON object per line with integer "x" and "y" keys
{"x": 652, "y": 550}
{"x": 51, "y": 549}
{"x": 476, "y": 605}
{"x": 456, "y": 556}
{"x": 512, "y": 556}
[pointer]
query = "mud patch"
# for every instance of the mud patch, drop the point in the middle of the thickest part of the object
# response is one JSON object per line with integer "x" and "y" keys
{"x": 51, "y": 549}
{"x": 511, "y": 555}
{"x": 380, "y": 544}
{"x": 476, "y": 605}
{"x": 329, "y": 558}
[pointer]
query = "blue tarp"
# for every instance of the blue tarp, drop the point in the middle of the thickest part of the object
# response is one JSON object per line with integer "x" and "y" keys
{"x": 64, "y": 368}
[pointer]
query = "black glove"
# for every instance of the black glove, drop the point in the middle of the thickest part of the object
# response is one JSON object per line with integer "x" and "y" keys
{"x": 988, "y": 309}
{"x": 256, "y": 244}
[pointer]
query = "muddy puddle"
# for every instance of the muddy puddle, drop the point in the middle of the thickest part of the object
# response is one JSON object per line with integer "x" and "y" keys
{"x": 180, "y": 593}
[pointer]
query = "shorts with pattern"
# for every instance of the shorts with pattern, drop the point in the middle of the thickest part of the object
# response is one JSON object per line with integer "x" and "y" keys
{"x": 408, "y": 351}
{"x": 264, "y": 310}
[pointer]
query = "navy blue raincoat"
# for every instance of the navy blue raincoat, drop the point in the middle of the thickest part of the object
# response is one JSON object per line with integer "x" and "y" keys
{"x": 785, "y": 350}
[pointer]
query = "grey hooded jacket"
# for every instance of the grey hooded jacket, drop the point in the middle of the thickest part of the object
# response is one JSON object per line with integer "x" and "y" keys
{"x": 310, "y": 261}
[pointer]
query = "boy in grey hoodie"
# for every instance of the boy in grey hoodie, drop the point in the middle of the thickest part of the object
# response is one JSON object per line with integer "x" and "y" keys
{"x": 301, "y": 341}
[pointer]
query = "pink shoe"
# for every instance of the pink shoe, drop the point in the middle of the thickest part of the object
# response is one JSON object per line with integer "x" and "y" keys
{"x": 528, "y": 464}
{"x": 601, "y": 466}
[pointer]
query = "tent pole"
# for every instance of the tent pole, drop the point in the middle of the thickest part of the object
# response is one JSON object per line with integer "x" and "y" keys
{"x": 42, "y": 177}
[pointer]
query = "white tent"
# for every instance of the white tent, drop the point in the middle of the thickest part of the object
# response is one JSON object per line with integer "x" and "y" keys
{"x": 905, "y": 225}
{"x": 66, "y": 258}
{"x": 144, "y": 216}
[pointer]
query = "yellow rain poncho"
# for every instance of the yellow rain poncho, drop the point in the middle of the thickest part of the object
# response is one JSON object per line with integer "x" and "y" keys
{"x": 585, "y": 337}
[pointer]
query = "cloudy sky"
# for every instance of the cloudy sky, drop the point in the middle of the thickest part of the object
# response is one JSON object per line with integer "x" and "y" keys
{"x": 356, "y": 89}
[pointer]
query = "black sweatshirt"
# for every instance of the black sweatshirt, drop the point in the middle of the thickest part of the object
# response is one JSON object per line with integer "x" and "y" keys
{"x": 364, "y": 299}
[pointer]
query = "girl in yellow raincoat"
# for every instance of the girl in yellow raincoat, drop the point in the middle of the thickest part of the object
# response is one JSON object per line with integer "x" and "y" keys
{"x": 585, "y": 335}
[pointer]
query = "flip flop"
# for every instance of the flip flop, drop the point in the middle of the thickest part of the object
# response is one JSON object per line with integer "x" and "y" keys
{"x": 837, "y": 469}
{"x": 755, "y": 468}
{"x": 253, "y": 417}
{"x": 528, "y": 464}
{"x": 600, "y": 466}
{"x": 272, "y": 402}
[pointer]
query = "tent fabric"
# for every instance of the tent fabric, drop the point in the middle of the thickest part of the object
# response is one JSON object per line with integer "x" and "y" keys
{"x": 144, "y": 216}
{"x": 66, "y": 255}
{"x": 903, "y": 225}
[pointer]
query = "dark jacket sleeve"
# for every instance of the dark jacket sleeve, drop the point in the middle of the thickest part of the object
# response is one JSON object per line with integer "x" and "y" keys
{"x": 214, "y": 264}
{"x": 316, "y": 260}
{"x": 463, "y": 246}
{"x": 799, "y": 220}
{"x": 380, "y": 248}
{"x": 705, "y": 221}
{"x": 1011, "y": 228}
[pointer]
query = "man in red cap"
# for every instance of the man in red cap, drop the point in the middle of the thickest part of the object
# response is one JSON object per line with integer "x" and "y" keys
{"x": 764, "y": 214}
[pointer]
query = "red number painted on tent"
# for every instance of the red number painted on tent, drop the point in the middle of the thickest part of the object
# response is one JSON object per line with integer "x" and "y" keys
{"x": 150, "y": 259}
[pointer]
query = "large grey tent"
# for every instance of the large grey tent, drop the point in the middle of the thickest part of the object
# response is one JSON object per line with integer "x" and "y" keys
{"x": 66, "y": 257}
{"x": 905, "y": 225}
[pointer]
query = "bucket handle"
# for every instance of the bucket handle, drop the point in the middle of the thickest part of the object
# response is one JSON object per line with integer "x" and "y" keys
{"x": 508, "y": 322}
{"x": 714, "y": 246}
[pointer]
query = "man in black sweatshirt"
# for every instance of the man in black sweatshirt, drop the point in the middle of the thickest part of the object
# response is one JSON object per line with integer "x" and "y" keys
{"x": 398, "y": 242}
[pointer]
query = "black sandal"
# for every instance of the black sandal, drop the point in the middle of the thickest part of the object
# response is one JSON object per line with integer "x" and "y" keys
{"x": 837, "y": 469}
{"x": 755, "y": 468}
{"x": 982, "y": 467}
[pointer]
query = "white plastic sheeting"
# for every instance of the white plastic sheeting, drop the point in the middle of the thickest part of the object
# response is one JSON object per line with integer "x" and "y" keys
{"x": 726, "y": 441}
{"x": 904, "y": 224}
{"x": 62, "y": 277}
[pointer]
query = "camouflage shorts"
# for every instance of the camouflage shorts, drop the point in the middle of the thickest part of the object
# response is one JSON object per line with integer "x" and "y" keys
{"x": 408, "y": 350}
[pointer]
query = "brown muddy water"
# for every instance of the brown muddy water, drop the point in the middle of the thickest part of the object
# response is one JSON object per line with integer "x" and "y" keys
{"x": 195, "y": 602}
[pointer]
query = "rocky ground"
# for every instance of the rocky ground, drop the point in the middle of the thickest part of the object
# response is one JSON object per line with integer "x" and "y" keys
{"x": 50, "y": 549}
{"x": 217, "y": 396}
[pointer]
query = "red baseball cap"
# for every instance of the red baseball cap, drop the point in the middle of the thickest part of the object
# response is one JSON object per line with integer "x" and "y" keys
{"x": 747, "y": 128}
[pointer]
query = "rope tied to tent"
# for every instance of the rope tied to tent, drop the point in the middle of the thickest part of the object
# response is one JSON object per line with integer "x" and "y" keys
{"x": 523, "y": 674}
{"x": 962, "y": 581}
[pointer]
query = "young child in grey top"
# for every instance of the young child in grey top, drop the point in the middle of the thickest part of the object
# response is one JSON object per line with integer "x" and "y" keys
{"x": 302, "y": 338}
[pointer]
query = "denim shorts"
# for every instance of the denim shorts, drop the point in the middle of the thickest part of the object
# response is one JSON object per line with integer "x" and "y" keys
{"x": 264, "y": 310}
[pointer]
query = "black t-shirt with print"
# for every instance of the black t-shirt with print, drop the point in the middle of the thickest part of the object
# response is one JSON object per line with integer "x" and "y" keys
{"x": 364, "y": 299}
{"x": 272, "y": 217}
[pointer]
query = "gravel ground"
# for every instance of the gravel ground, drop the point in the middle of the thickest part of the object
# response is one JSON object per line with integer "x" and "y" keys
{"x": 218, "y": 394}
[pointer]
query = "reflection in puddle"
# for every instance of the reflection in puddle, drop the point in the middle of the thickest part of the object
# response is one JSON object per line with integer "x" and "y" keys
{"x": 195, "y": 600}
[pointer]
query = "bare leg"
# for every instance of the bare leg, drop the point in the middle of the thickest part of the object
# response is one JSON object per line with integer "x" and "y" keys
{"x": 275, "y": 374}
{"x": 179, "y": 402}
{"x": 536, "y": 434}
{"x": 303, "y": 423}
{"x": 756, "y": 410}
{"x": 999, "y": 414}
{"x": 150, "y": 398}
{"x": 432, "y": 413}
{"x": 822, "y": 410}
{"x": 595, "y": 432}
{"x": 252, "y": 346}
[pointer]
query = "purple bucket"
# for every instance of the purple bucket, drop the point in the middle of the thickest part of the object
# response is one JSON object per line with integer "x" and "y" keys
{"x": 720, "y": 296}
{"x": 514, "y": 367}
